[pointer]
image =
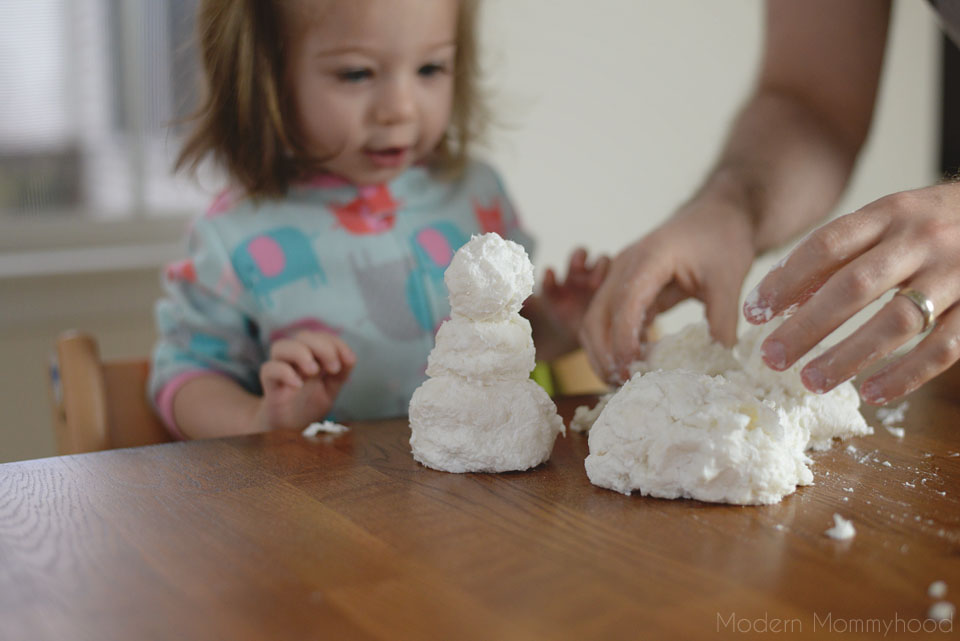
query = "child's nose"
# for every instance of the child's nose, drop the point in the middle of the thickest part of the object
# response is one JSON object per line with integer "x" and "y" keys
{"x": 396, "y": 102}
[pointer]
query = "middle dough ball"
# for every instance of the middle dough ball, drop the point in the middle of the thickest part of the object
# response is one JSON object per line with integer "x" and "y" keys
{"x": 483, "y": 350}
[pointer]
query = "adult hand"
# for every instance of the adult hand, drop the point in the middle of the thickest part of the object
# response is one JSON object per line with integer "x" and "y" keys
{"x": 302, "y": 379}
{"x": 703, "y": 252}
{"x": 907, "y": 240}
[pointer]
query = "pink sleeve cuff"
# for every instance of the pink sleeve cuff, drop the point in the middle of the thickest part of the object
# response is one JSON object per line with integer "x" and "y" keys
{"x": 164, "y": 400}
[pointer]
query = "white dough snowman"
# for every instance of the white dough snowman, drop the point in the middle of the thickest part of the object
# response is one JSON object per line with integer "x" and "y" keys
{"x": 479, "y": 411}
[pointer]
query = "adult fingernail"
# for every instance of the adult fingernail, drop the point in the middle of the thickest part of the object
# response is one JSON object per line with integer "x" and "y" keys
{"x": 754, "y": 310}
{"x": 774, "y": 354}
{"x": 814, "y": 380}
{"x": 312, "y": 367}
{"x": 872, "y": 392}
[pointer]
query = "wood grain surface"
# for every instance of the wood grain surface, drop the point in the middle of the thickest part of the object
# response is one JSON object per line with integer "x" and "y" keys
{"x": 280, "y": 536}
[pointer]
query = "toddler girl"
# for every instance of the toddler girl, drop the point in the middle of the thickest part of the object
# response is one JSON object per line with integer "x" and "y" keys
{"x": 314, "y": 285}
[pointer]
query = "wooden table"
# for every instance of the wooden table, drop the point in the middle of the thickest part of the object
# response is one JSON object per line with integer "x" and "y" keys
{"x": 286, "y": 537}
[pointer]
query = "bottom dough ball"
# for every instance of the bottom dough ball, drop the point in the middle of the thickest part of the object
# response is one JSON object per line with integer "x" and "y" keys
{"x": 674, "y": 434}
{"x": 459, "y": 426}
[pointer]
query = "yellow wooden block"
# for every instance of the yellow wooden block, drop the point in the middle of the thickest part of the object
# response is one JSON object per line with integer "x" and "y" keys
{"x": 573, "y": 376}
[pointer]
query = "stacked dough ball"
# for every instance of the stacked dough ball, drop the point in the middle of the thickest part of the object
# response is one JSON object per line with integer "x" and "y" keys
{"x": 479, "y": 411}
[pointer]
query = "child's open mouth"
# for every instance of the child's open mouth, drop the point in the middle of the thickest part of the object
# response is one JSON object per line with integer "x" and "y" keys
{"x": 388, "y": 156}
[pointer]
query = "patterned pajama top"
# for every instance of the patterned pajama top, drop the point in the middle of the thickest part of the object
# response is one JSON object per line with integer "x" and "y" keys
{"x": 364, "y": 263}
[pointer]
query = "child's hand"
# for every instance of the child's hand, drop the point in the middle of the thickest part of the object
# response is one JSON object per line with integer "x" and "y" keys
{"x": 557, "y": 312}
{"x": 566, "y": 302}
{"x": 302, "y": 379}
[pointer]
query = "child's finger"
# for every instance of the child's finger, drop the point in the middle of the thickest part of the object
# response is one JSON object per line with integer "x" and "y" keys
{"x": 577, "y": 266}
{"x": 578, "y": 259}
{"x": 296, "y": 353}
{"x": 549, "y": 281}
{"x": 324, "y": 350}
{"x": 276, "y": 374}
{"x": 347, "y": 356}
{"x": 332, "y": 386}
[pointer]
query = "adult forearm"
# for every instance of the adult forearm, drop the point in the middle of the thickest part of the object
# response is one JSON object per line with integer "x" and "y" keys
{"x": 214, "y": 406}
{"x": 783, "y": 166}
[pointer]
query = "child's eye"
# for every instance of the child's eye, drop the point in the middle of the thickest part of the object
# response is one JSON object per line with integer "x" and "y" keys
{"x": 354, "y": 75}
{"x": 431, "y": 69}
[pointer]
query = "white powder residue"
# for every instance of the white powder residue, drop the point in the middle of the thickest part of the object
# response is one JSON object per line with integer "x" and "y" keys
{"x": 842, "y": 529}
{"x": 753, "y": 308}
{"x": 327, "y": 427}
{"x": 899, "y": 432}
{"x": 937, "y": 590}
{"x": 941, "y": 611}
{"x": 893, "y": 415}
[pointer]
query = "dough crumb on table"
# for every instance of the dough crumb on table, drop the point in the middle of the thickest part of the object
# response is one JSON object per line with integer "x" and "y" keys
{"x": 941, "y": 611}
{"x": 842, "y": 529}
{"x": 892, "y": 415}
{"x": 937, "y": 590}
{"x": 327, "y": 427}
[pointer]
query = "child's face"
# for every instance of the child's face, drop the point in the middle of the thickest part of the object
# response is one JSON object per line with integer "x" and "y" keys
{"x": 372, "y": 83}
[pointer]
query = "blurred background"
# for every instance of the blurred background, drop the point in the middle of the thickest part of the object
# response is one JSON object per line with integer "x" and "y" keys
{"x": 610, "y": 113}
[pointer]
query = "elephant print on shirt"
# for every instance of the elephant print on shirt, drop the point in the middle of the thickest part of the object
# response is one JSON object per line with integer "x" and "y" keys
{"x": 276, "y": 258}
{"x": 382, "y": 290}
{"x": 433, "y": 249}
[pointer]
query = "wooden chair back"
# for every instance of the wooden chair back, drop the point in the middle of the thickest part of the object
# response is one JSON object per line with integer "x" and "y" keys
{"x": 99, "y": 405}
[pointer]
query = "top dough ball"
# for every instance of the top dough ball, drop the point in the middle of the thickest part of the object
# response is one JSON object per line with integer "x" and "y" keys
{"x": 489, "y": 278}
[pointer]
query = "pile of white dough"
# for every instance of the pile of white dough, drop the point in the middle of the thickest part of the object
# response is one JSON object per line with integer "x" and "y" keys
{"x": 701, "y": 421}
{"x": 479, "y": 411}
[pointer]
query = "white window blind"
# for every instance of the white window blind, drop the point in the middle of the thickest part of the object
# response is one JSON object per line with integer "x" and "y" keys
{"x": 90, "y": 94}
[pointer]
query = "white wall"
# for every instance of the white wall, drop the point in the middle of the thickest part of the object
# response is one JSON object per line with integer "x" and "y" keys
{"x": 615, "y": 110}
{"x": 618, "y": 107}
